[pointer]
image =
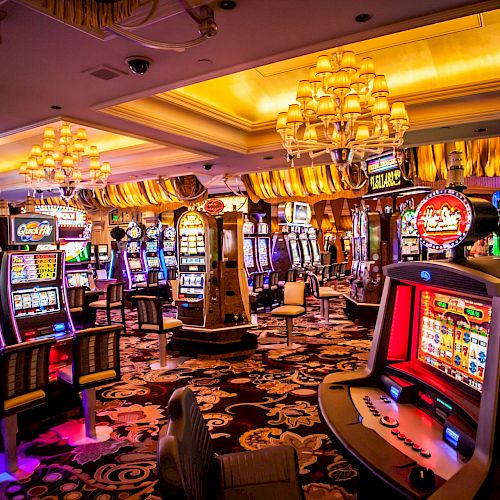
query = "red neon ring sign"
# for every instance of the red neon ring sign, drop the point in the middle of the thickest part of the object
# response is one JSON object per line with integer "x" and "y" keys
{"x": 443, "y": 219}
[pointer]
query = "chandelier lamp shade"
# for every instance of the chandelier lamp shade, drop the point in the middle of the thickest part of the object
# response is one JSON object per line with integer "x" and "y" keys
{"x": 342, "y": 110}
{"x": 64, "y": 162}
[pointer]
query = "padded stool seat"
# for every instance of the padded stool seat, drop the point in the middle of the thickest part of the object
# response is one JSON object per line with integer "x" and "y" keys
{"x": 261, "y": 474}
{"x": 168, "y": 324}
{"x": 326, "y": 292}
{"x": 323, "y": 294}
{"x": 101, "y": 304}
{"x": 293, "y": 311}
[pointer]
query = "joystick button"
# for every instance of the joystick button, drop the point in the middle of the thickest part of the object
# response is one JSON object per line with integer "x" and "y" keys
{"x": 389, "y": 421}
{"x": 425, "y": 453}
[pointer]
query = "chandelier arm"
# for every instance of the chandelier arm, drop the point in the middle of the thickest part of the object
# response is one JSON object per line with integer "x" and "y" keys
{"x": 189, "y": 10}
{"x": 206, "y": 25}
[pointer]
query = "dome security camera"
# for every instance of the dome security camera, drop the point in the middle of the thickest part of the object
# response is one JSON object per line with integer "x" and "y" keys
{"x": 208, "y": 166}
{"x": 138, "y": 64}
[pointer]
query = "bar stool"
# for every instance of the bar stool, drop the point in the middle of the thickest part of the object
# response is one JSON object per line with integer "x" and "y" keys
{"x": 294, "y": 306}
{"x": 76, "y": 304}
{"x": 256, "y": 292}
{"x": 334, "y": 274}
{"x": 152, "y": 284}
{"x": 325, "y": 275}
{"x": 115, "y": 299}
{"x": 96, "y": 362}
{"x": 24, "y": 379}
{"x": 323, "y": 294}
{"x": 271, "y": 289}
{"x": 150, "y": 319}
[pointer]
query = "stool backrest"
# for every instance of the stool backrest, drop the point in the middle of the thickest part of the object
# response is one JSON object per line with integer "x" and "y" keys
{"x": 153, "y": 277}
{"x": 325, "y": 273}
{"x": 258, "y": 282}
{"x": 149, "y": 311}
{"x": 334, "y": 270}
{"x": 291, "y": 275}
{"x": 274, "y": 277}
{"x": 295, "y": 294}
{"x": 24, "y": 369}
{"x": 96, "y": 356}
{"x": 186, "y": 460}
{"x": 341, "y": 273}
{"x": 314, "y": 284}
{"x": 76, "y": 296}
{"x": 114, "y": 292}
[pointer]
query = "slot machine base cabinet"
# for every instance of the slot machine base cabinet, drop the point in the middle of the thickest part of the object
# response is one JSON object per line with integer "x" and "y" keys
{"x": 214, "y": 343}
{"x": 363, "y": 313}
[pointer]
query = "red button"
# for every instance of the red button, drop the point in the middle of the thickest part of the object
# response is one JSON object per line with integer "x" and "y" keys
{"x": 402, "y": 437}
{"x": 408, "y": 442}
{"x": 395, "y": 432}
{"x": 425, "y": 453}
{"x": 416, "y": 447}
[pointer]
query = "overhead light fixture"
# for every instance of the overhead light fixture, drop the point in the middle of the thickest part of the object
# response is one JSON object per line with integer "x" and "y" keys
{"x": 342, "y": 110}
{"x": 58, "y": 163}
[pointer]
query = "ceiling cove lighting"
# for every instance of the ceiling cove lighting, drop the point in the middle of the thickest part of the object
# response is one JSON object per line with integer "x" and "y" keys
{"x": 58, "y": 163}
{"x": 342, "y": 110}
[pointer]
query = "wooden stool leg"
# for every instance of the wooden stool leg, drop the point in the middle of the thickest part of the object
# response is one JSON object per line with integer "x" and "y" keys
{"x": 8, "y": 428}
{"x": 88, "y": 399}
{"x": 289, "y": 331}
{"x": 326, "y": 311}
{"x": 162, "y": 340}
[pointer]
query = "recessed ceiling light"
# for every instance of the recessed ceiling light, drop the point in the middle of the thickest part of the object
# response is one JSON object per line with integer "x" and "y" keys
{"x": 132, "y": 176}
{"x": 268, "y": 157}
{"x": 481, "y": 129}
{"x": 362, "y": 18}
{"x": 204, "y": 61}
{"x": 227, "y": 4}
{"x": 55, "y": 106}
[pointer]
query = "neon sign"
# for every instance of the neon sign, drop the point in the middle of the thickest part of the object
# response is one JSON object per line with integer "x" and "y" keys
{"x": 384, "y": 174}
{"x": 443, "y": 219}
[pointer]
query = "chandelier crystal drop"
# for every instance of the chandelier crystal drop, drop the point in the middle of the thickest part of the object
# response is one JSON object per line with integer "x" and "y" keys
{"x": 342, "y": 110}
{"x": 58, "y": 163}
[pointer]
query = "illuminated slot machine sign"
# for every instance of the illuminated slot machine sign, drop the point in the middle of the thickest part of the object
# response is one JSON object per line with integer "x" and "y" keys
{"x": 71, "y": 221}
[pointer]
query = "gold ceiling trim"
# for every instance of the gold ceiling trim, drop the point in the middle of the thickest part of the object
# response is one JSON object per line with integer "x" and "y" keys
{"x": 127, "y": 112}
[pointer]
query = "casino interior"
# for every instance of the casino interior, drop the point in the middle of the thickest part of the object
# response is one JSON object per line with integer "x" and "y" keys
{"x": 249, "y": 249}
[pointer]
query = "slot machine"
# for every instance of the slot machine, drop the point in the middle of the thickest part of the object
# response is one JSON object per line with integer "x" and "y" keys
{"x": 249, "y": 247}
{"x": 152, "y": 250}
{"x": 306, "y": 260}
{"x": 169, "y": 250}
{"x": 197, "y": 251}
{"x": 420, "y": 420}
{"x": 293, "y": 249}
{"x": 102, "y": 256}
{"x": 135, "y": 268}
{"x": 314, "y": 246}
{"x": 356, "y": 253}
{"x": 264, "y": 246}
{"x": 80, "y": 278}
{"x": 410, "y": 242}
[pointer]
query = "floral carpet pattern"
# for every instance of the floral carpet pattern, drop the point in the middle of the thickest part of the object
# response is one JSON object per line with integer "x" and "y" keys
{"x": 266, "y": 399}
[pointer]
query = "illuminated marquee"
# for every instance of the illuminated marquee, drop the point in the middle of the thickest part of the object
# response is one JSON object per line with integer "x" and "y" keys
{"x": 33, "y": 230}
{"x": 384, "y": 174}
{"x": 444, "y": 219}
{"x": 66, "y": 216}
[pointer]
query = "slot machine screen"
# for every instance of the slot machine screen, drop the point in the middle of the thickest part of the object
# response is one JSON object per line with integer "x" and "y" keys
{"x": 153, "y": 262}
{"x": 263, "y": 252}
{"x": 295, "y": 252}
{"x": 314, "y": 247}
{"x": 152, "y": 246}
{"x": 135, "y": 264}
{"x": 77, "y": 251}
{"x": 454, "y": 335}
{"x": 134, "y": 247}
{"x": 170, "y": 261}
{"x": 33, "y": 268}
{"x": 103, "y": 253}
{"x": 78, "y": 279}
{"x": 305, "y": 248}
{"x": 36, "y": 301}
{"x": 248, "y": 252}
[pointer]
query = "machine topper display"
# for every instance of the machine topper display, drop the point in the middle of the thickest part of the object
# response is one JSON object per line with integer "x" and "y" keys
{"x": 444, "y": 219}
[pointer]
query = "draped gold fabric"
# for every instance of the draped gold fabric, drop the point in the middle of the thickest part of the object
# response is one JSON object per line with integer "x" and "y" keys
{"x": 74, "y": 202}
{"x": 91, "y": 13}
{"x": 481, "y": 157}
{"x": 144, "y": 194}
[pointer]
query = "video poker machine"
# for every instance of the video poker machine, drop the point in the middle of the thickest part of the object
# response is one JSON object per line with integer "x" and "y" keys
{"x": 250, "y": 248}
{"x": 312, "y": 236}
{"x": 264, "y": 245}
{"x": 153, "y": 254}
{"x": 421, "y": 419}
{"x": 410, "y": 241}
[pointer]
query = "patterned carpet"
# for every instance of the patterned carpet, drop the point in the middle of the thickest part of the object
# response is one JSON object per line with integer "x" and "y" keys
{"x": 264, "y": 400}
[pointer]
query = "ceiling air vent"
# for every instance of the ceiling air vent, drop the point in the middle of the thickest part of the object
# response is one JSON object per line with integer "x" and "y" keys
{"x": 104, "y": 72}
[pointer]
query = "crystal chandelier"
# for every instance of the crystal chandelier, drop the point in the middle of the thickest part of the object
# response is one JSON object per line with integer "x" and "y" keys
{"x": 58, "y": 163}
{"x": 342, "y": 110}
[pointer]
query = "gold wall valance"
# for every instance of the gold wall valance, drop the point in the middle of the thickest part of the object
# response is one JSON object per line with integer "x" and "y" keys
{"x": 143, "y": 194}
{"x": 312, "y": 184}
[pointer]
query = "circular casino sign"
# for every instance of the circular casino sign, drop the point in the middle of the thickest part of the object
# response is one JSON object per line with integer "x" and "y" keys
{"x": 152, "y": 232}
{"x": 443, "y": 219}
